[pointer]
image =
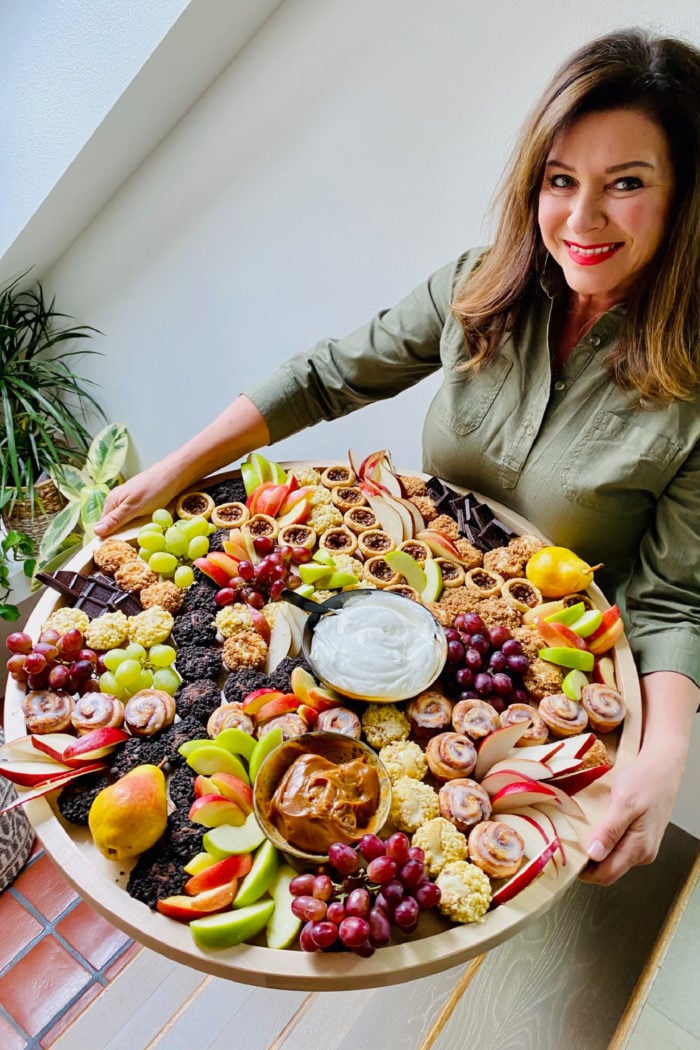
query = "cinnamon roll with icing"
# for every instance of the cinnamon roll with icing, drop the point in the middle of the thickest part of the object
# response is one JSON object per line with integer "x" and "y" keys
{"x": 564, "y": 717}
{"x": 464, "y": 802}
{"x": 47, "y": 711}
{"x": 339, "y": 720}
{"x": 450, "y": 756}
{"x": 496, "y": 848}
{"x": 475, "y": 718}
{"x": 149, "y": 711}
{"x": 95, "y": 711}
{"x": 536, "y": 733}
{"x": 604, "y": 706}
{"x": 430, "y": 712}
{"x": 228, "y": 716}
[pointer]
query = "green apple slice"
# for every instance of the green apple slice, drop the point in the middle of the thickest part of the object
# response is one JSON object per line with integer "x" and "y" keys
{"x": 579, "y": 659}
{"x": 250, "y": 476}
{"x": 235, "y": 740}
{"x": 567, "y": 616}
{"x": 185, "y": 749}
{"x": 226, "y": 840}
{"x": 210, "y": 758}
{"x": 283, "y": 926}
{"x": 313, "y": 572}
{"x": 258, "y": 879}
{"x": 262, "y": 749}
{"x": 199, "y": 863}
{"x": 587, "y": 623}
{"x": 574, "y": 683}
{"x": 405, "y": 564}
{"x": 323, "y": 557}
{"x": 336, "y": 580}
{"x": 228, "y": 928}
{"x": 433, "y": 576}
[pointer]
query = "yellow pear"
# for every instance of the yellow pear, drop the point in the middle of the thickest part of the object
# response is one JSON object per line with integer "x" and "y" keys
{"x": 557, "y": 571}
{"x": 129, "y": 816}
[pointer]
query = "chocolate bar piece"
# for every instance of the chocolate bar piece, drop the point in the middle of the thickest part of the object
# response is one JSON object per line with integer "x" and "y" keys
{"x": 475, "y": 520}
{"x": 93, "y": 594}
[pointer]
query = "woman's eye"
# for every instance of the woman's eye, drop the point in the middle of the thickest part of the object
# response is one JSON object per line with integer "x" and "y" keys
{"x": 627, "y": 183}
{"x": 560, "y": 182}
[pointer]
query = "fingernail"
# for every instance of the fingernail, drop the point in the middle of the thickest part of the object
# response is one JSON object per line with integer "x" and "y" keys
{"x": 596, "y": 850}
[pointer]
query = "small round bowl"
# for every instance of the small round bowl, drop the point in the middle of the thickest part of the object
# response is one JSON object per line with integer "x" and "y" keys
{"x": 336, "y": 748}
{"x": 404, "y": 607}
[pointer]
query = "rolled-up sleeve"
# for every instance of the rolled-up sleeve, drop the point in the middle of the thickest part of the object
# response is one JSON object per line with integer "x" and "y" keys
{"x": 395, "y": 350}
{"x": 663, "y": 595}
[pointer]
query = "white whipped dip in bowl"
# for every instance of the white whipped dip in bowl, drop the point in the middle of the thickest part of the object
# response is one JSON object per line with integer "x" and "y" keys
{"x": 377, "y": 646}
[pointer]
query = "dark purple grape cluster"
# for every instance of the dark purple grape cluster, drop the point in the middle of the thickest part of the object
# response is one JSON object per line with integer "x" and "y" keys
{"x": 263, "y": 581}
{"x": 484, "y": 663}
{"x": 353, "y": 905}
{"x": 55, "y": 661}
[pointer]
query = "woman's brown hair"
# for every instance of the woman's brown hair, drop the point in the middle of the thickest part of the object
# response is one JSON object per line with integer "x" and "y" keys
{"x": 657, "y": 353}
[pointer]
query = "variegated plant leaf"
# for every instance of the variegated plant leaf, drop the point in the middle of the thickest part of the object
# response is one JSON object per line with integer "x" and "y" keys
{"x": 92, "y": 502}
{"x": 60, "y": 527}
{"x": 70, "y": 546}
{"x": 69, "y": 481}
{"x": 107, "y": 453}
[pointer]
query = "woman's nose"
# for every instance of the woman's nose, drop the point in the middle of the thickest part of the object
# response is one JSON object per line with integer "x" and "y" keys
{"x": 587, "y": 213}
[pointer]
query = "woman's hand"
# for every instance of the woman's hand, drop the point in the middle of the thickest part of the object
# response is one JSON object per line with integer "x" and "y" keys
{"x": 138, "y": 496}
{"x": 643, "y": 791}
{"x": 641, "y": 802}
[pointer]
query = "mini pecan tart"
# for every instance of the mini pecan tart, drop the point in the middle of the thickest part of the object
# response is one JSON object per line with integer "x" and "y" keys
{"x": 485, "y": 582}
{"x": 229, "y": 515}
{"x": 564, "y": 717}
{"x": 359, "y": 519}
{"x": 95, "y": 711}
{"x": 149, "y": 711}
{"x": 475, "y": 718}
{"x": 377, "y": 570}
{"x": 496, "y": 848}
{"x": 261, "y": 525}
{"x": 408, "y": 592}
{"x": 604, "y": 706}
{"x": 450, "y": 756}
{"x": 194, "y": 505}
{"x": 339, "y": 540}
{"x": 536, "y": 733}
{"x": 345, "y": 497}
{"x": 375, "y": 541}
{"x": 338, "y": 476}
{"x": 521, "y": 594}
{"x": 47, "y": 711}
{"x": 418, "y": 550}
{"x": 453, "y": 575}
{"x": 464, "y": 802}
{"x": 297, "y": 536}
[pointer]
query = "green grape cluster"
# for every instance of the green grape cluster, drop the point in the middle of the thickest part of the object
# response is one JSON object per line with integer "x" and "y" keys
{"x": 170, "y": 545}
{"x": 133, "y": 668}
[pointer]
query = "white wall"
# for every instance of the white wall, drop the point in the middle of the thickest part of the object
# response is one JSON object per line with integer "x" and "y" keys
{"x": 348, "y": 150}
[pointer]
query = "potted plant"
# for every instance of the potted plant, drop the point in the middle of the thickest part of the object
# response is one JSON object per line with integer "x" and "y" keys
{"x": 84, "y": 490}
{"x": 14, "y": 547}
{"x": 43, "y": 404}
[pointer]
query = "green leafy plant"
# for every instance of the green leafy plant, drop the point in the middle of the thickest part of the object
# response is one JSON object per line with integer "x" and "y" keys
{"x": 43, "y": 403}
{"x": 85, "y": 490}
{"x": 14, "y": 547}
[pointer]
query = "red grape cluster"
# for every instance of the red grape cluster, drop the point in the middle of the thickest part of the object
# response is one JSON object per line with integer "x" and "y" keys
{"x": 56, "y": 661}
{"x": 356, "y": 909}
{"x": 258, "y": 583}
{"x": 484, "y": 663}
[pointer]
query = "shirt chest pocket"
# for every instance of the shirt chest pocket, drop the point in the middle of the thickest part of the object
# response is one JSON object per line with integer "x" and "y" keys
{"x": 618, "y": 465}
{"x": 467, "y": 397}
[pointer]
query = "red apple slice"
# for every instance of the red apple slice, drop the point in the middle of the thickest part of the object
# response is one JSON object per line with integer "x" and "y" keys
{"x": 212, "y": 810}
{"x": 206, "y": 903}
{"x": 531, "y": 832}
{"x": 551, "y": 822}
{"x": 280, "y": 642}
{"x": 254, "y": 701}
{"x": 558, "y": 765}
{"x": 405, "y": 515}
{"x": 231, "y": 786}
{"x": 309, "y": 714}
{"x": 388, "y": 517}
{"x": 525, "y": 793}
{"x": 527, "y": 766}
{"x": 214, "y": 572}
{"x": 493, "y": 782}
{"x": 94, "y": 745}
{"x": 417, "y": 517}
{"x": 564, "y": 829}
{"x": 204, "y": 786}
{"x": 280, "y": 705}
{"x": 556, "y": 634}
{"x": 571, "y": 747}
{"x": 566, "y": 803}
{"x": 220, "y": 874}
{"x": 580, "y": 779}
{"x": 525, "y": 875}
{"x": 541, "y": 752}
{"x": 52, "y": 744}
{"x": 441, "y": 545}
{"x": 497, "y": 746}
{"x": 31, "y": 773}
{"x": 260, "y": 623}
{"x": 604, "y": 672}
{"x": 54, "y": 784}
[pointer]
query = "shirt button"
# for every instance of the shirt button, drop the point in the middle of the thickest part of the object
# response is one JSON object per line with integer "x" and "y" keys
{"x": 560, "y": 385}
{"x": 594, "y": 340}
{"x": 529, "y": 429}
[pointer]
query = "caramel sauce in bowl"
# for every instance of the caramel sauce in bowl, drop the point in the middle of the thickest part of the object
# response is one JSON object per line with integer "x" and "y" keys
{"x": 320, "y": 788}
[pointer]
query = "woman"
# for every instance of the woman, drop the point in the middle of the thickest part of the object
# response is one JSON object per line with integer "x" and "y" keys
{"x": 570, "y": 378}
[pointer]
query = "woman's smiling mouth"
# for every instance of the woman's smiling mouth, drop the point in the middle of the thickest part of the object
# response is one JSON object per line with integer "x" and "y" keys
{"x": 591, "y": 254}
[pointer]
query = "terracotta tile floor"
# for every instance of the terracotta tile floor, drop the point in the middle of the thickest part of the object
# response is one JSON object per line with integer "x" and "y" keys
{"x": 56, "y": 955}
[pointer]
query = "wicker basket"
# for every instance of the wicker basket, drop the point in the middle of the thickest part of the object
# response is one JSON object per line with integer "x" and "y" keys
{"x": 34, "y": 523}
{"x": 16, "y": 835}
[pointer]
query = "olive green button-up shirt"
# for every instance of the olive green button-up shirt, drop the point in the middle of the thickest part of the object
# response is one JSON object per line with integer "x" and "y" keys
{"x": 575, "y": 455}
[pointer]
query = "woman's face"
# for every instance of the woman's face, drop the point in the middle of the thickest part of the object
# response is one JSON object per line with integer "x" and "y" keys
{"x": 605, "y": 202}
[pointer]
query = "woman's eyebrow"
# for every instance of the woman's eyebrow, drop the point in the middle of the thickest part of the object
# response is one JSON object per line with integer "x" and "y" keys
{"x": 553, "y": 162}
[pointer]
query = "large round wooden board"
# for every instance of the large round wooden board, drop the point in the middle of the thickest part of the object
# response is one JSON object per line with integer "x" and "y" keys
{"x": 440, "y": 947}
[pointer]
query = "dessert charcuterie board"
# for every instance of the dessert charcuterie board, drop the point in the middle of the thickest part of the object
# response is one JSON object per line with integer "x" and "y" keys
{"x": 437, "y": 944}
